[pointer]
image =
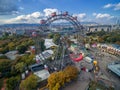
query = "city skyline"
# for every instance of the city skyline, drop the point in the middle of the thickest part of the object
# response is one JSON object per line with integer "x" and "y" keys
{"x": 31, "y": 11}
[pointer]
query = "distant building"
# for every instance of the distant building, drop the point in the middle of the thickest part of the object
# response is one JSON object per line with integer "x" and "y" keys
{"x": 20, "y": 32}
{"x": 96, "y": 28}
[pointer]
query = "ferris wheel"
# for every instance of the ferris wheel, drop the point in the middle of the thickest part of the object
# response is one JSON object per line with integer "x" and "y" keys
{"x": 45, "y": 25}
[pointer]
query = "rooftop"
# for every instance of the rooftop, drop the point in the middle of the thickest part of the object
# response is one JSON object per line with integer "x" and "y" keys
{"x": 115, "y": 67}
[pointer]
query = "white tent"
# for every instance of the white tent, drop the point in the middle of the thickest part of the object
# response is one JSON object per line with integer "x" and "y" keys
{"x": 49, "y": 43}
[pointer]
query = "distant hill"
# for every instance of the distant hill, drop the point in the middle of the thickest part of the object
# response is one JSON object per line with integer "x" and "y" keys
{"x": 37, "y": 24}
{"x": 19, "y": 25}
{"x": 88, "y": 23}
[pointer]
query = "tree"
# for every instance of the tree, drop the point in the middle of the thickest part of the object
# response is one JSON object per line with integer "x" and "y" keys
{"x": 11, "y": 46}
{"x": 52, "y": 81}
{"x": 56, "y": 38}
{"x": 4, "y": 65}
{"x": 57, "y": 79}
{"x": 12, "y": 82}
{"x": 20, "y": 67}
{"x": 42, "y": 45}
{"x": 51, "y": 35}
{"x": 28, "y": 59}
{"x": 5, "y": 49}
{"x": 71, "y": 73}
{"x": 30, "y": 83}
{"x": 22, "y": 48}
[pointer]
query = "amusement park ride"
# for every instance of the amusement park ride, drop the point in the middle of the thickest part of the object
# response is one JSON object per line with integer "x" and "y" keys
{"x": 45, "y": 26}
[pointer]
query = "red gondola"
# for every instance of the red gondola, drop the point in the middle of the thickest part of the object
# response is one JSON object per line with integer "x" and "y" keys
{"x": 53, "y": 14}
{"x": 65, "y": 13}
{"x": 75, "y": 18}
{"x": 79, "y": 58}
{"x": 42, "y": 21}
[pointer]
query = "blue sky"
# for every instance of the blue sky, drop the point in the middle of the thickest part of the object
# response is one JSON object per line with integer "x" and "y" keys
{"x": 31, "y": 11}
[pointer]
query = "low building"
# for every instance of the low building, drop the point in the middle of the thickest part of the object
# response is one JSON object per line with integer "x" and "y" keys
{"x": 111, "y": 49}
{"x": 49, "y": 43}
{"x": 44, "y": 55}
{"x": 40, "y": 71}
{"x": 115, "y": 68}
{"x": 12, "y": 55}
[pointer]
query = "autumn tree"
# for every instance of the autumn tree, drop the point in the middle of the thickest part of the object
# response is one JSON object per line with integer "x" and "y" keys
{"x": 11, "y": 46}
{"x": 58, "y": 79}
{"x": 70, "y": 72}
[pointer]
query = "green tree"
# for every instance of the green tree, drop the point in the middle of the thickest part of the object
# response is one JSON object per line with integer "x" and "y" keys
{"x": 5, "y": 49}
{"x": 56, "y": 38}
{"x": 22, "y": 48}
{"x": 28, "y": 59}
{"x": 51, "y": 35}
{"x": 30, "y": 83}
{"x": 11, "y": 46}
{"x": 4, "y": 65}
{"x": 20, "y": 67}
{"x": 12, "y": 82}
{"x": 42, "y": 45}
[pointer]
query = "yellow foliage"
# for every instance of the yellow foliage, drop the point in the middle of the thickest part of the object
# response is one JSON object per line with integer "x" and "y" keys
{"x": 71, "y": 72}
{"x": 58, "y": 79}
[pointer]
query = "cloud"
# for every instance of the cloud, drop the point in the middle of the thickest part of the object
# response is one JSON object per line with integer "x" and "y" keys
{"x": 117, "y": 6}
{"x": 36, "y": 16}
{"x": 80, "y": 16}
{"x": 114, "y": 6}
{"x": 48, "y": 11}
{"x": 108, "y": 5}
{"x": 102, "y": 16}
{"x": 29, "y": 18}
{"x": 21, "y": 8}
{"x": 8, "y": 7}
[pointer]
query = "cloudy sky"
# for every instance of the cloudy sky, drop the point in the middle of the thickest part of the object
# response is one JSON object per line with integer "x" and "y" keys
{"x": 31, "y": 11}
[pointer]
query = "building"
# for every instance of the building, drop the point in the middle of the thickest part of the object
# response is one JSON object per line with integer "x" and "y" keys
{"x": 40, "y": 71}
{"x": 96, "y": 28}
{"x": 115, "y": 68}
{"x": 49, "y": 43}
{"x": 12, "y": 55}
{"x": 43, "y": 56}
{"x": 111, "y": 49}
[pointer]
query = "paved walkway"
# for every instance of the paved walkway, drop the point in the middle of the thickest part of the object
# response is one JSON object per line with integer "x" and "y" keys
{"x": 81, "y": 83}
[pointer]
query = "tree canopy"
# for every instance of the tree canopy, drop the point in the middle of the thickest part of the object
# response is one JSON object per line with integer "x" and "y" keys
{"x": 58, "y": 79}
{"x": 29, "y": 83}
